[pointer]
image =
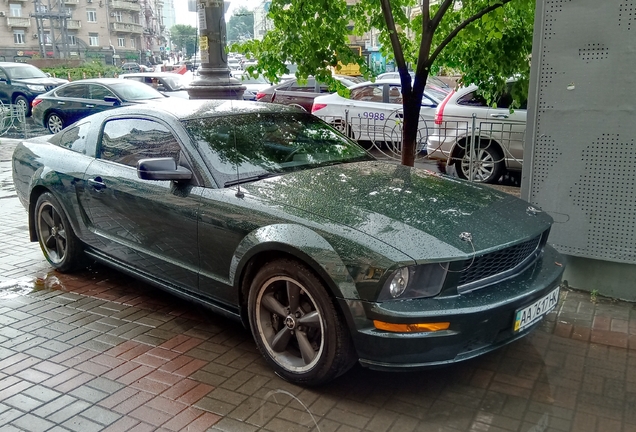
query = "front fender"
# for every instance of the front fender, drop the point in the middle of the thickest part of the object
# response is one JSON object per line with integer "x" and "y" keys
{"x": 303, "y": 243}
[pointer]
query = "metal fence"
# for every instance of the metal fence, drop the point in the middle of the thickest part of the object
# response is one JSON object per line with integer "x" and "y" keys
{"x": 13, "y": 120}
{"x": 499, "y": 144}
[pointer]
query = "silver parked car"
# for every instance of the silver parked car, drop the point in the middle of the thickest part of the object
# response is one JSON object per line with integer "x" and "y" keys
{"x": 499, "y": 135}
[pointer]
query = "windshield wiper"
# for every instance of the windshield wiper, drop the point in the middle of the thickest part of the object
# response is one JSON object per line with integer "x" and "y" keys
{"x": 248, "y": 179}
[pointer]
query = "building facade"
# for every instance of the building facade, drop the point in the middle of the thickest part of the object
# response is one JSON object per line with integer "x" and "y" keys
{"x": 112, "y": 31}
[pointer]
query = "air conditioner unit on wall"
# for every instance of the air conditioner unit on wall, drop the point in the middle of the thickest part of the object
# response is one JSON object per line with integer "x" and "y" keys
{"x": 2, "y": 13}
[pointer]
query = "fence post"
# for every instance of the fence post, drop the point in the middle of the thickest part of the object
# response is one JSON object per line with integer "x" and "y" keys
{"x": 471, "y": 175}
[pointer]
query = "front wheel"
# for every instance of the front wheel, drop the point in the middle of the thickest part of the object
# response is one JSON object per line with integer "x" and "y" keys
{"x": 23, "y": 105}
{"x": 488, "y": 165}
{"x": 54, "y": 123}
{"x": 296, "y": 325}
{"x": 61, "y": 248}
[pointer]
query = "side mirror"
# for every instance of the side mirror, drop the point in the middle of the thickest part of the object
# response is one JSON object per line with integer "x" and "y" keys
{"x": 113, "y": 100}
{"x": 162, "y": 169}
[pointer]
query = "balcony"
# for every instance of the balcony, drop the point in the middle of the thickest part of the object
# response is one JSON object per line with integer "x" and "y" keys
{"x": 125, "y": 5}
{"x": 127, "y": 27}
{"x": 70, "y": 24}
{"x": 18, "y": 22}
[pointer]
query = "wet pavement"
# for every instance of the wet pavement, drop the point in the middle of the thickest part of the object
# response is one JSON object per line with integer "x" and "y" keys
{"x": 97, "y": 350}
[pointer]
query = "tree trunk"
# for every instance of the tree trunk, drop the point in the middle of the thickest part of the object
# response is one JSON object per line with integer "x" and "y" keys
{"x": 412, "y": 103}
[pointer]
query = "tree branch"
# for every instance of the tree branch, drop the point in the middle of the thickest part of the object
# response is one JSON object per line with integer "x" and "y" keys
{"x": 462, "y": 26}
{"x": 440, "y": 13}
{"x": 393, "y": 35}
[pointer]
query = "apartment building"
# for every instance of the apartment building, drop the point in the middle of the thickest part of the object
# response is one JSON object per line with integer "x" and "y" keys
{"x": 112, "y": 31}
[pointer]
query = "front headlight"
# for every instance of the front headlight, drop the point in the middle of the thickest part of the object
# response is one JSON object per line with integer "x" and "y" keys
{"x": 34, "y": 87}
{"x": 414, "y": 282}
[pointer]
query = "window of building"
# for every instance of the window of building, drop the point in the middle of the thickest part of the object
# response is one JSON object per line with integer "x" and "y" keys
{"x": 93, "y": 39}
{"x": 46, "y": 38}
{"x": 118, "y": 16}
{"x": 121, "y": 42}
{"x": 91, "y": 15}
{"x": 16, "y": 10}
{"x": 18, "y": 36}
{"x": 132, "y": 42}
{"x": 71, "y": 40}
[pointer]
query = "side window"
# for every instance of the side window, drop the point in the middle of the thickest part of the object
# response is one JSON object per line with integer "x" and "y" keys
{"x": 285, "y": 87}
{"x": 370, "y": 93}
{"x": 395, "y": 94}
{"x": 75, "y": 138}
{"x": 99, "y": 92}
{"x": 309, "y": 86}
{"x": 472, "y": 99}
{"x": 3, "y": 76}
{"x": 73, "y": 91}
{"x": 126, "y": 141}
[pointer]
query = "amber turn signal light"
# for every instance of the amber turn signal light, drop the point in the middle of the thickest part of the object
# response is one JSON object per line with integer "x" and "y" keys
{"x": 411, "y": 328}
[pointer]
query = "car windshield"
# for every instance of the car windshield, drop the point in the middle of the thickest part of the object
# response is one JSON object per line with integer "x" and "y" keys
{"x": 350, "y": 80}
{"x": 133, "y": 90}
{"x": 437, "y": 93}
{"x": 25, "y": 72}
{"x": 246, "y": 147}
{"x": 176, "y": 82}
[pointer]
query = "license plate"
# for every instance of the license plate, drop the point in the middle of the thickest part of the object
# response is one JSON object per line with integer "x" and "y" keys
{"x": 529, "y": 315}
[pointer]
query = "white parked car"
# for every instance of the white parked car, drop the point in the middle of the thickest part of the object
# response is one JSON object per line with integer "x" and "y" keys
{"x": 373, "y": 111}
{"x": 499, "y": 135}
{"x": 252, "y": 85}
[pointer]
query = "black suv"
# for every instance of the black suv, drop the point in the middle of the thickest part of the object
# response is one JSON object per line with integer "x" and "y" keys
{"x": 20, "y": 83}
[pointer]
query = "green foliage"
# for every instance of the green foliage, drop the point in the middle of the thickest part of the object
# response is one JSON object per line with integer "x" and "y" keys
{"x": 486, "y": 41}
{"x": 241, "y": 25}
{"x": 93, "y": 69}
{"x": 184, "y": 38}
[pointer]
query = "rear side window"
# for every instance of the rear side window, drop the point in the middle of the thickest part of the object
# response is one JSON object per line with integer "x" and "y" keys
{"x": 309, "y": 86}
{"x": 73, "y": 138}
{"x": 73, "y": 91}
{"x": 371, "y": 93}
{"x": 99, "y": 92}
{"x": 126, "y": 141}
{"x": 472, "y": 99}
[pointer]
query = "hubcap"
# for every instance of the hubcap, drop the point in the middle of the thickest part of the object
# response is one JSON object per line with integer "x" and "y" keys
{"x": 483, "y": 165}
{"x": 55, "y": 124}
{"x": 51, "y": 233}
{"x": 289, "y": 324}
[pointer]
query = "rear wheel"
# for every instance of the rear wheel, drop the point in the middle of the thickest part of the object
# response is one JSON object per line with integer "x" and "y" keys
{"x": 487, "y": 167}
{"x": 61, "y": 248}
{"x": 54, "y": 123}
{"x": 296, "y": 325}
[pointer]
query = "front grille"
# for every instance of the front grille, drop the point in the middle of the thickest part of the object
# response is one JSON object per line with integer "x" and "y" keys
{"x": 496, "y": 263}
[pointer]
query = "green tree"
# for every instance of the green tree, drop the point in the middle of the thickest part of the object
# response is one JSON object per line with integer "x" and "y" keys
{"x": 184, "y": 38}
{"x": 240, "y": 27}
{"x": 487, "y": 41}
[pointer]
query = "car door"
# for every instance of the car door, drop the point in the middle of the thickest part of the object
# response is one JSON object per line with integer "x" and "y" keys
{"x": 97, "y": 93}
{"x": 368, "y": 112}
{"x": 508, "y": 128}
{"x": 69, "y": 102}
{"x": 298, "y": 94}
{"x": 147, "y": 225}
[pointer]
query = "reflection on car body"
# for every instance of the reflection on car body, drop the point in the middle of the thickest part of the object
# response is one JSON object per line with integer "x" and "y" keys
{"x": 269, "y": 216}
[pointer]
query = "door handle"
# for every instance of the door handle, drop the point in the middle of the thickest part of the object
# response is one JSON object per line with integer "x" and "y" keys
{"x": 90, "y": 106}
{"x": 499, "y": 115}
{"x": 97, "y": 183}
{"x": 61, "y": 103}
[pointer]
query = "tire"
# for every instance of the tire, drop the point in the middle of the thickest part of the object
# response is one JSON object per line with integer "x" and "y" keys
{"x": 22, "y": 102}
{"x": 61, "y": 247}
{"x": 488, "y": 166}
{"x": 311, "y": 346}
{"x": 54, "y": 123}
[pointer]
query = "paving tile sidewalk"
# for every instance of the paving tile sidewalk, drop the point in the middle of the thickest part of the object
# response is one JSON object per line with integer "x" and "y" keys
{"x": 97, "y": 350}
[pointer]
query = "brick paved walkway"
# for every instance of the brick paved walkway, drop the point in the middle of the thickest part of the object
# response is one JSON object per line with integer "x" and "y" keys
{"x": 97, "y": 350}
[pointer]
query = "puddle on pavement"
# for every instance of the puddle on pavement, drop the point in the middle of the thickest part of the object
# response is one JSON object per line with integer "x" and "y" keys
{"x": 13, "y": 288}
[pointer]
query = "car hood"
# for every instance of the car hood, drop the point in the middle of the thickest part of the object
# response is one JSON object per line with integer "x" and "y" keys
{"x": 419, "y": 212}
{"x": 41, "y": 81}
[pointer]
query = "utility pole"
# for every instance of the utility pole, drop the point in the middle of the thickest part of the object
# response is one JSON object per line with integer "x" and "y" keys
{"x": 61, "y": 17}
{"x": 215, "y": 81}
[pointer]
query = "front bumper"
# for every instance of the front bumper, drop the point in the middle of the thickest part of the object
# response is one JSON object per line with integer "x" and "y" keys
{"x": 480, "y": 321}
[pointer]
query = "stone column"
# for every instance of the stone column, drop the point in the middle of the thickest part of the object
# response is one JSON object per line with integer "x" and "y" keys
{"x": 214, "y": 82}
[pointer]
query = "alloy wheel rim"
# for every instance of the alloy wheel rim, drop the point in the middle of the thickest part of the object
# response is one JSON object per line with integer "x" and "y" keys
{"x": 290, "y": 324}
{"x": 483, "y": 166}
{"x": 51, "y": 233}
{"x": 55, "y": 124}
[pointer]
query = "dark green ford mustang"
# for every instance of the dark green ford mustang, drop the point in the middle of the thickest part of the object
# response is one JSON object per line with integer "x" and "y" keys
{"x": 268, "y": 215}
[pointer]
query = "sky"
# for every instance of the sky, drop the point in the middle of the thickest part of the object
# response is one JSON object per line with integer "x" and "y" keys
{"x": 190, "y": 18}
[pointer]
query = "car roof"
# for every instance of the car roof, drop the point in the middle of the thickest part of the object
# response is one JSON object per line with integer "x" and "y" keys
{"x": 97, "y": 81}
{"x": 150, "y": 74}
{"x": 184, "y": 109}
{"x": 14, "y": 64}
